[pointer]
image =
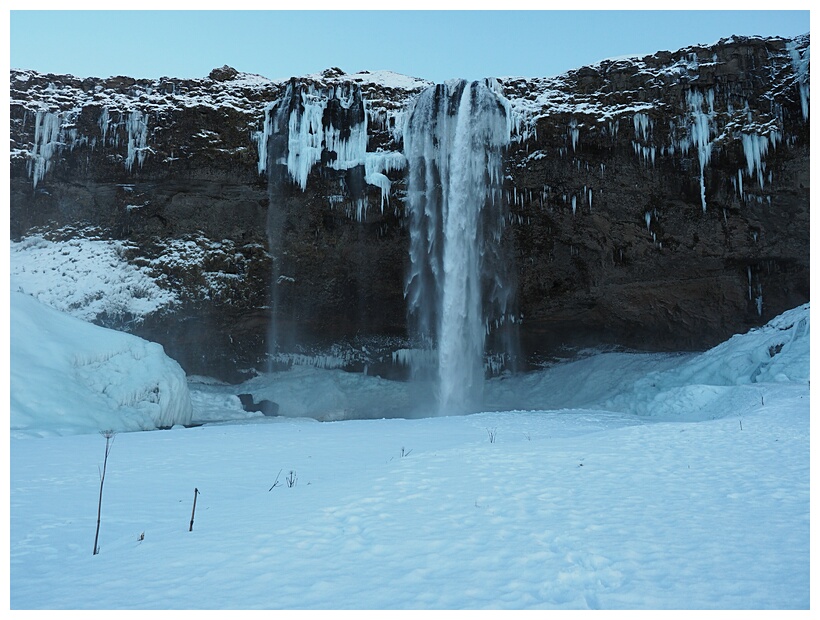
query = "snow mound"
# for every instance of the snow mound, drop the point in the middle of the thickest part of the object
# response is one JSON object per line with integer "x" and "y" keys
{"x": 702, "y": 386}
{"x": 69, "y": 376}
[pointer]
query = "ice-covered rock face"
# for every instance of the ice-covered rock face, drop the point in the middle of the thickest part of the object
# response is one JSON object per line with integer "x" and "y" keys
{"x": 324, "y": 126}
{"x": 457, "y": 284}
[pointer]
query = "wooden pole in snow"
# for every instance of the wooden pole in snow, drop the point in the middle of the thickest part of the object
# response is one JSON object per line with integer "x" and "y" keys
{"x": 109, "y": 436}
{"x": 191, "y": 526}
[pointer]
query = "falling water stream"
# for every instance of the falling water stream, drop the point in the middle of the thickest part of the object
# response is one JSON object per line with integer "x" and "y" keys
{"x": 457, "y": 287}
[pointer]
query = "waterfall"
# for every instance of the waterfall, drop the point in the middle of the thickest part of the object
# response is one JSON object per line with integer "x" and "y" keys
{"x": 457, "y": 286}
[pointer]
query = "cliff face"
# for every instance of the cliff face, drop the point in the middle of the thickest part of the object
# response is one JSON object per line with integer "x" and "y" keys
{"x": 656, "y": 203}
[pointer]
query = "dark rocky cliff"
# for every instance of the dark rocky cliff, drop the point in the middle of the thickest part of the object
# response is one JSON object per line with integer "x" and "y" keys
{"x": 655, "y": 203}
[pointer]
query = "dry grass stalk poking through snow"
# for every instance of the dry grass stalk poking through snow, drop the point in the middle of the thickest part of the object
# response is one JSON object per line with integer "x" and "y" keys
{"x": 109, "y": 438}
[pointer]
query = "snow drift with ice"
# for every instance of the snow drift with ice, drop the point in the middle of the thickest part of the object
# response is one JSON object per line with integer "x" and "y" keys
{"x": 69, "y": 376}
{"x": 698, "y": 388}
{"x": 677, "y": 386}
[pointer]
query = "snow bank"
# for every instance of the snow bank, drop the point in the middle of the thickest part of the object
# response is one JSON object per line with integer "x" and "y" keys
{"x": 69, "y": 376}
{"x": 702, "y": 387}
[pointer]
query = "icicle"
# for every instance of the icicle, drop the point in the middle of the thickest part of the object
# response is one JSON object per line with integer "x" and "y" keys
{"x": 103, "y": 123}
{"x": 263, "y": 136}
{"x": 47, "y": 141}
{"x": 701, "y": 130}
{"x": 749, "y": 273}
{"x": 759, "y": 300}
{"x": 643, "y": 125}
{"x": 755, "y": 148}
{"x": 137, "y": 126}
{"x": 800, "y": 65}
{"x": 379, "y": 163}
{"x": 574, "y": 132}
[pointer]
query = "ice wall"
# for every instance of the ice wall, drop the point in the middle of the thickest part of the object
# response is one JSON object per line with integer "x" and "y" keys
{"x": 457, "y": 286}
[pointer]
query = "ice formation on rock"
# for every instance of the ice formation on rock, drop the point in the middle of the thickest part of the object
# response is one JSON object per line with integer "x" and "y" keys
{"x": 47, "y": 140}
{"x": 800, "y": 64}
{"x": 702, "y": 108}
{"x": 755, "y": 147}
{"x": 137, "y": 126}
{"x": 312, "y": 125}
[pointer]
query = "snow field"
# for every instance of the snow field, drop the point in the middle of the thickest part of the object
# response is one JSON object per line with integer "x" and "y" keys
{"x": 641, "y": 481}
{"x": 567, "y": 510}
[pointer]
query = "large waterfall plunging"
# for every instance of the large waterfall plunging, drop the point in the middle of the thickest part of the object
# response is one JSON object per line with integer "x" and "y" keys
{"x": 457, "y": 287}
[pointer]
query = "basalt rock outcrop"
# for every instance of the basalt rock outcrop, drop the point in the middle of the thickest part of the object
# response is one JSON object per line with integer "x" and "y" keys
{"x": 658, "y": 203}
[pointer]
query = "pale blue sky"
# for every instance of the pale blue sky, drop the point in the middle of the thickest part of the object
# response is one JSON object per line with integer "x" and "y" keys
{"x": 434, "y": 45}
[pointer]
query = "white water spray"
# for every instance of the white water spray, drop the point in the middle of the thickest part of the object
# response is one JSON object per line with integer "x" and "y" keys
{"x": 457, "y": 287}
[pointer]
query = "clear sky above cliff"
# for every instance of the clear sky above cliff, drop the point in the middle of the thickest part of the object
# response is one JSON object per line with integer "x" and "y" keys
{"x": 435, "y": 45}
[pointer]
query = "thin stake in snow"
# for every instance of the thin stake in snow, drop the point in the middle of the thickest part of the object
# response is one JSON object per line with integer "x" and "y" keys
{"x": 193, "y": 510}
{"x": 275, "y": 482}
{"x": 109, "y": 438}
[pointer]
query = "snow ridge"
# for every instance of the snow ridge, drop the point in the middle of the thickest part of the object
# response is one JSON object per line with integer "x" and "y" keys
{"x": 70, "y": 376}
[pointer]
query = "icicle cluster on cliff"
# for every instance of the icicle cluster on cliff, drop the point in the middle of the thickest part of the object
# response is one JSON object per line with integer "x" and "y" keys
{"x": 310, "y": 125}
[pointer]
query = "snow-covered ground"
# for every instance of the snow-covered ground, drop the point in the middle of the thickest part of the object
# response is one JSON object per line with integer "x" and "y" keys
{"x": 617, "y": 481}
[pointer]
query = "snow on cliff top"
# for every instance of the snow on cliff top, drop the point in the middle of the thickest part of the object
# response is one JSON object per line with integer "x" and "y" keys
{"x": 244, "y": 92}
{"x": 383, "y": 78}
